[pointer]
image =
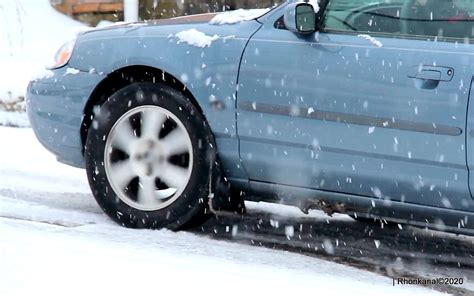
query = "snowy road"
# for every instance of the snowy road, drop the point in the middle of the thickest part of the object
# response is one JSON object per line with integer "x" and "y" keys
{"x": 56, "y": 241}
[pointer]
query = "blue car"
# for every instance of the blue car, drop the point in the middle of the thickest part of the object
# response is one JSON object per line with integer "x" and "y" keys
{"x": 359, "y": 107}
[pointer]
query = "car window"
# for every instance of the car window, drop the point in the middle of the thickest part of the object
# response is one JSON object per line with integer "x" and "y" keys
{"x": 448, "y": 19}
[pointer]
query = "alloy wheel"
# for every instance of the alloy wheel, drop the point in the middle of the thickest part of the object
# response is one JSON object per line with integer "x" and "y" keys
{"x": 148, "y": 158}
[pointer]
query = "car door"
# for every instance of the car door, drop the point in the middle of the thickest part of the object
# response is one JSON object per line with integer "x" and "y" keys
{"x": 364, "y": 106}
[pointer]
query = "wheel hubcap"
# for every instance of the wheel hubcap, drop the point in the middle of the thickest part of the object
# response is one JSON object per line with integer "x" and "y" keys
{"x": 148, "y": 158}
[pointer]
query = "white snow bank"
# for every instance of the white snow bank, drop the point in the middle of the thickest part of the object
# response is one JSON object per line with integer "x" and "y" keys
{"x": 25, "y": 164}
{"x": 14, "y": 119}
{"x": 31, "y": 31}
{"x": 196, "y": 38}
{"x": 237, "y": 16}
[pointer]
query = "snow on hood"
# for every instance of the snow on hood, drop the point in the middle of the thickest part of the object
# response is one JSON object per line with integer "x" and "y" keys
{"x": 196, "y": 38}
{"x": 237, "y": 16}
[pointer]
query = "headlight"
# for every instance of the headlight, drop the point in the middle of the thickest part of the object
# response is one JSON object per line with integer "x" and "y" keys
{"x": 64, "y": 54}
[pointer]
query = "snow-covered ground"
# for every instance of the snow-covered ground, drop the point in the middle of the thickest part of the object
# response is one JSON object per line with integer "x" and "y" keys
{"x": 56, "y": 241}
{"x": 31, "y": 32}
{"x": 16, "y": 119}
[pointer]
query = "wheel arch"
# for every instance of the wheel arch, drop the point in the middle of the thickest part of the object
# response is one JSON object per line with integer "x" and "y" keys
{"x": 123, "y": 77}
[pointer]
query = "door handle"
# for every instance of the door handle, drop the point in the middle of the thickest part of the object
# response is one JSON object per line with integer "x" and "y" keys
{"x": 429, "y": 77}
{"x": 432, "y": 73}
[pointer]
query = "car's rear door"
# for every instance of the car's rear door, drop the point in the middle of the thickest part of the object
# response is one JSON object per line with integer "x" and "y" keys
{"x": 374, "y": 104}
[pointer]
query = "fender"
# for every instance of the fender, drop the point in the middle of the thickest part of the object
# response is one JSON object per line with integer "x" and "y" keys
{"x": 210, "y": 72}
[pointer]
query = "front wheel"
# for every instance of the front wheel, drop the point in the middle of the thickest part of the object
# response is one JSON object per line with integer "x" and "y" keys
{"x": 150, "y": 158}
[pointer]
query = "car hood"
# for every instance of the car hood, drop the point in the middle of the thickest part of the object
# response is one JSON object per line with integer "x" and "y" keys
{"x": 189, "y": 19}
{"x": 160, "y": 43}
{"x": 182, "y": 20}
{"x": 171, "y": 25}
{"x": 122, "y": 27}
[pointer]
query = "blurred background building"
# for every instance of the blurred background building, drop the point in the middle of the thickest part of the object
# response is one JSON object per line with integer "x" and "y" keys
{"x": 93, "y": 11}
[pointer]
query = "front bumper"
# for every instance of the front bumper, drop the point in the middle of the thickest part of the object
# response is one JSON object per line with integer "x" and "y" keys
{"x": 55, "y": 106}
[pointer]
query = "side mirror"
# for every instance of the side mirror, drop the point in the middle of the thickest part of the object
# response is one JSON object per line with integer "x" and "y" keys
{"x": 300, "y": 18}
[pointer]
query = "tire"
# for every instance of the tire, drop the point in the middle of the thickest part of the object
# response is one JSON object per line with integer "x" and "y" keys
{"x": 168, "y": 190}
